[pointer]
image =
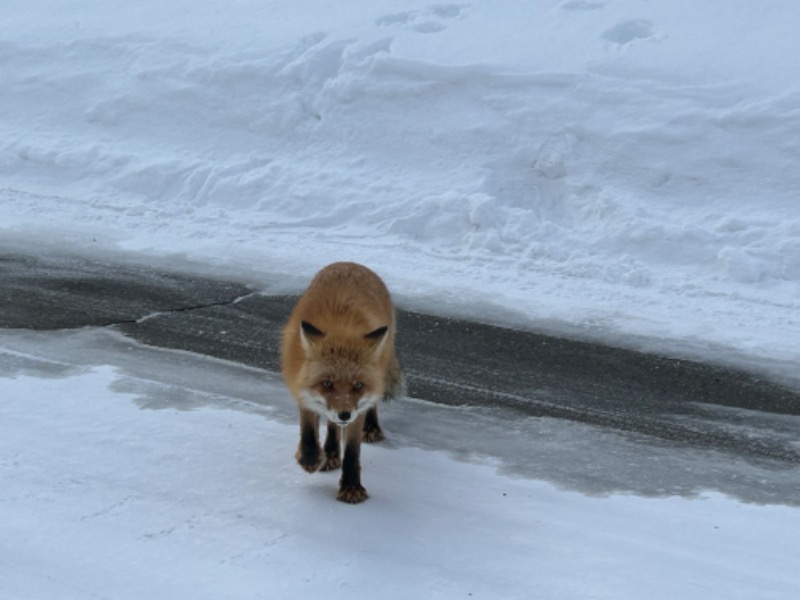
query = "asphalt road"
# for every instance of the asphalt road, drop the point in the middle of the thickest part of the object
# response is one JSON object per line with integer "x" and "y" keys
{"x": 514, "y": 374}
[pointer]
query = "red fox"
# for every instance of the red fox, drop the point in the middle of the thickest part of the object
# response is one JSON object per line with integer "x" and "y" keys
{"x": 338, "y": 360}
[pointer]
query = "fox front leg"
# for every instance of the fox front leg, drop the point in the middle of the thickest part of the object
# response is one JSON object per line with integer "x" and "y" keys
{"x": 332, "y": 450}
{"x": 350, "y": 488}
{"x": 309, "y": 454}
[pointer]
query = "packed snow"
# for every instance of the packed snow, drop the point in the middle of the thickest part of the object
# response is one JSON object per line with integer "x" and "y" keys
{"x": 162, "y": 474}
{"x": 621, "y": 170}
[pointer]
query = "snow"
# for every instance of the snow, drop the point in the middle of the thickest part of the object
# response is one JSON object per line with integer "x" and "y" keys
{"x": 619, "y": 170}
{"x": 623, "y": 171}
{"x": 138, "y": 476}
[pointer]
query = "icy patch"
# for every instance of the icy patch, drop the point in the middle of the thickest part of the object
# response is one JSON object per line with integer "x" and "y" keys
{"x": 112, "y": 500}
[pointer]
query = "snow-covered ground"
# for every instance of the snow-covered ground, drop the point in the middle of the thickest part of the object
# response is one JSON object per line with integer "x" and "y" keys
{"x": 161, "y": 474}
{"x": 615, "y": 169}
{"x": 624, "y": 170}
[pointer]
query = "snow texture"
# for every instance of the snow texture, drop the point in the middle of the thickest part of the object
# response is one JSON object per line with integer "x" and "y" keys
{"x": 162, "y": 474}
{"x": 624, "y": 171}
{"x": 616, "y": 170}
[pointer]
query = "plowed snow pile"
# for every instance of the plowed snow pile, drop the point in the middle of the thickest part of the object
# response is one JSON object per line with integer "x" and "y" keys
{"x": 624, "y": 170}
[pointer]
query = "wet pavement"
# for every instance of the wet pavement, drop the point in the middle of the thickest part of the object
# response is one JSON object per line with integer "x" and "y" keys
{"x": 507, "y": 386}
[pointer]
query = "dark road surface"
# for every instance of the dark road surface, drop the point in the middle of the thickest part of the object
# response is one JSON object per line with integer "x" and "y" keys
{"x": 520, "y": 375}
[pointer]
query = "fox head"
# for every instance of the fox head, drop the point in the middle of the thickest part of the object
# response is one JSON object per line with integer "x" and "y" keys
{"x": 342, "y": 377}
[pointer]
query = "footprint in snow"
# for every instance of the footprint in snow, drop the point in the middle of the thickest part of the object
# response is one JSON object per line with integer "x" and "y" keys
{"x": 582, "y": 5}
{"x": 627, "y": 31}
{"x": 429, "y": 20}
{"x": 448, "y": 11}
{"x": 397, "y": 19}
{"x": 428, "y": 27}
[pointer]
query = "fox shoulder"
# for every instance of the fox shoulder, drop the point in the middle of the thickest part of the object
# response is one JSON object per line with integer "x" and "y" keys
{"x": 347, "y": 296}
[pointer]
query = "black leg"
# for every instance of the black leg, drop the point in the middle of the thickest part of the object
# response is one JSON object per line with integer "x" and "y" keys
{"x": 309, "y": 454}
{"x": 350, "y": 488}
{"x": 332, "y": 449}
{"x": 372, "y": 429}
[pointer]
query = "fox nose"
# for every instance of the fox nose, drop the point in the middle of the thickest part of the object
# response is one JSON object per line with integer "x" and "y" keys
{"x": 344, "y": 415}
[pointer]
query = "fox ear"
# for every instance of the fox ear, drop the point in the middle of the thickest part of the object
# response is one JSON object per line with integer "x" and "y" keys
{"x": 309, "y": 329}
{"x": 377, "y": 334}
{"x": 378, "y": 337}
{"x": 308, "y": 333}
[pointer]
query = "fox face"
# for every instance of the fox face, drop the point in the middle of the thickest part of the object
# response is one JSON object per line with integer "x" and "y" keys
{"x": 341, "y": 377}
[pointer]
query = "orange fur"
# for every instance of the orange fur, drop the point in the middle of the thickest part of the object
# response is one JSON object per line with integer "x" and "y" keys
{"x": 338, "y": 360}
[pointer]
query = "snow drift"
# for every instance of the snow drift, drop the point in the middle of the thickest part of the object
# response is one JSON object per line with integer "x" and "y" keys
{"x": 620, "y": 170}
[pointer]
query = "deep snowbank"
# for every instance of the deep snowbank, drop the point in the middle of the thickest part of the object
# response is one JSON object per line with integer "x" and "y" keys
{"x": 618, "y": 170}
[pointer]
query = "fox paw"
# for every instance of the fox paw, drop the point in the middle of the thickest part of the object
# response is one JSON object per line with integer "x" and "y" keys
{"x": 352, "y": 494}
{"x": 332, "y": 462}
{"x": 373, "y": 435}
{"x": 309, "y": 461}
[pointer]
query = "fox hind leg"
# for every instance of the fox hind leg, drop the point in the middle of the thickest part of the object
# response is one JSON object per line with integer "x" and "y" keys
{"x": 372, "y": 430}
{"x": 395, "y": 387}
{"x": 395, "y": 383}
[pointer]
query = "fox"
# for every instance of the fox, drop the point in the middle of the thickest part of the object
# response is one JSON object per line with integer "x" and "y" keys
{"x": 338, "y": 360}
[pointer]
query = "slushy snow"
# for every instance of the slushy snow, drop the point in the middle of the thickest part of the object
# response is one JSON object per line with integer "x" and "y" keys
{"x": 619, "y": 170}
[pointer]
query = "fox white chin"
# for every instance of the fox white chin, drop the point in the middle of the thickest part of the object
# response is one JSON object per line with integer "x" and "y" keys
{"x": 316, "y": 403}
{"x": 367, "y": 401}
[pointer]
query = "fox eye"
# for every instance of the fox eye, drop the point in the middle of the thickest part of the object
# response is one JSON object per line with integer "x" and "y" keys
{"x": 358, "y": 386}
{"x": 327, "y": 384}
